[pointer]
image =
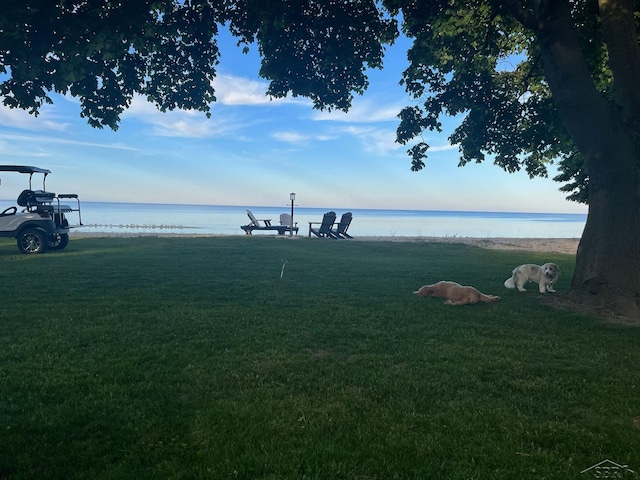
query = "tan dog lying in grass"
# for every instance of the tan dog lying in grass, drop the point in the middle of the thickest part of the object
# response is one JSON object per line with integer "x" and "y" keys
{"x": 455, "y": 293}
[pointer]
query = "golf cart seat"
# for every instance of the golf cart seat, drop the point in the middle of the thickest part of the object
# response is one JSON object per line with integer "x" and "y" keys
{"x": 32, "y": 198}
{"x": 48, "y": 202}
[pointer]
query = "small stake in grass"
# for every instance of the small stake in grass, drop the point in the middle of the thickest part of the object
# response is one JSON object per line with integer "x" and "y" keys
{"x": 284, "y": 262}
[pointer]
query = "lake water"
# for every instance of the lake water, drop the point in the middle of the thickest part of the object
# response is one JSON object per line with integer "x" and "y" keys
{"x": 217, "y": 219}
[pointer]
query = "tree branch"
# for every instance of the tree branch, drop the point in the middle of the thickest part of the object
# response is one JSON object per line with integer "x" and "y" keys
{"x": 569, "y": 78}
{"x": 621, "y": 37}
{"x": 520, "y": 12}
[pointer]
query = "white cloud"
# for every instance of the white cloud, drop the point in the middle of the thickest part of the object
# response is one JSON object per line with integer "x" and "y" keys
{"x": 46, "y": 120}
{"x": 188, "y": 125}
{"x": 291, "y": 137}
{"x": 32, "y": 140}
{"x": 382, "y": 141}
{"x": 180, "y": 123}
{"x": 362, "y": 111}
{"x": 442, "y": 148}
{"x": 8, "y": 149}
{"x": 300, "y": 138}
{"x": 232, "y": 90}
{"x": 374, "y": 140}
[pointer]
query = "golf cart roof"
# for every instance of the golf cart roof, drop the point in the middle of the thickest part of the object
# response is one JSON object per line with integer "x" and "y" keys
{"x": 23, "y": 169}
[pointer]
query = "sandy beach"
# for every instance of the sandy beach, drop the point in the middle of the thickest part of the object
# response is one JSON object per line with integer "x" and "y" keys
{"x": 553, "y": 245}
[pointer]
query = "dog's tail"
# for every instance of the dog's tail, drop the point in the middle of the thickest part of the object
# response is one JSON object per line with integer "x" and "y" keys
{"x": 510, "y": 283}
{"x": 488, "y": 298}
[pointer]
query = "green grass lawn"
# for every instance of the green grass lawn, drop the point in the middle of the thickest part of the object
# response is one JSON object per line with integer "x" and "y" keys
{"x": 202, "y": 358}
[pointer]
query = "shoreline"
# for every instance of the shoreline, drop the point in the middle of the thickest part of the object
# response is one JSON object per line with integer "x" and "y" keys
{"x": 551, "y": 245}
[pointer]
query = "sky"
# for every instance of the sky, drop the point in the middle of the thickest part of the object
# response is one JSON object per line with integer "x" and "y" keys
{"x": 254, "y": 151}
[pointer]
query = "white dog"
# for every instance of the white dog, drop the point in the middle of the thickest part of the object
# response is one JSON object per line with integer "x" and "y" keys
{"x": 544, "y": 275}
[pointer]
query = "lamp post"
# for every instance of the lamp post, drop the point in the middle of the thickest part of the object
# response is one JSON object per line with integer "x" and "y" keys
{"x": 292, "y": 196}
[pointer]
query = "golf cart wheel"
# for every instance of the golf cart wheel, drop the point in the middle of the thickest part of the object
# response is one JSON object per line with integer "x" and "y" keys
{"x": 32, "y": 240}
{"x": 57, "y": 241}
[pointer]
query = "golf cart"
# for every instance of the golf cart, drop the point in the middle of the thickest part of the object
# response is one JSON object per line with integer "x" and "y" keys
{"x": 41, "y": 224}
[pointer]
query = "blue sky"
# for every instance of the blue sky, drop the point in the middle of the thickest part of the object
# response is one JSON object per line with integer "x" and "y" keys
{"x": 254, "y": 151}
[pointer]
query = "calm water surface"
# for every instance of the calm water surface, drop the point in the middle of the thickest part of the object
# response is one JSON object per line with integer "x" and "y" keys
{"x": 218, "y": 219}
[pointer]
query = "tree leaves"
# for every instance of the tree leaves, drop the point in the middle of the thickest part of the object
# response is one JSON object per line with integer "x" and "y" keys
{"x": 104, "y": 52}
{"x": 479, "y": 59}
{"x": 318, "y": 49}
{"x": 475, "y": 59}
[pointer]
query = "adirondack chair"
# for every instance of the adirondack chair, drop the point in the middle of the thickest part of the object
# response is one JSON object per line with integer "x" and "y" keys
{"x": 254, "y": 224}
{"x": 341, "y": 227}
{"x": 285, "y": 219}
{"x": 323, "y": 231}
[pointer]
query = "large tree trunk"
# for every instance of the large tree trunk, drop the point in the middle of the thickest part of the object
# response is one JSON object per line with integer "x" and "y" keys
{"x": 607, "y": 273}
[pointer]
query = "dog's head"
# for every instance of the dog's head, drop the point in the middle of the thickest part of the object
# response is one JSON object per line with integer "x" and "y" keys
{"x": 426, "y": 291}
{"x": 551, "y": 270}
{"x": 430, "y": 291}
